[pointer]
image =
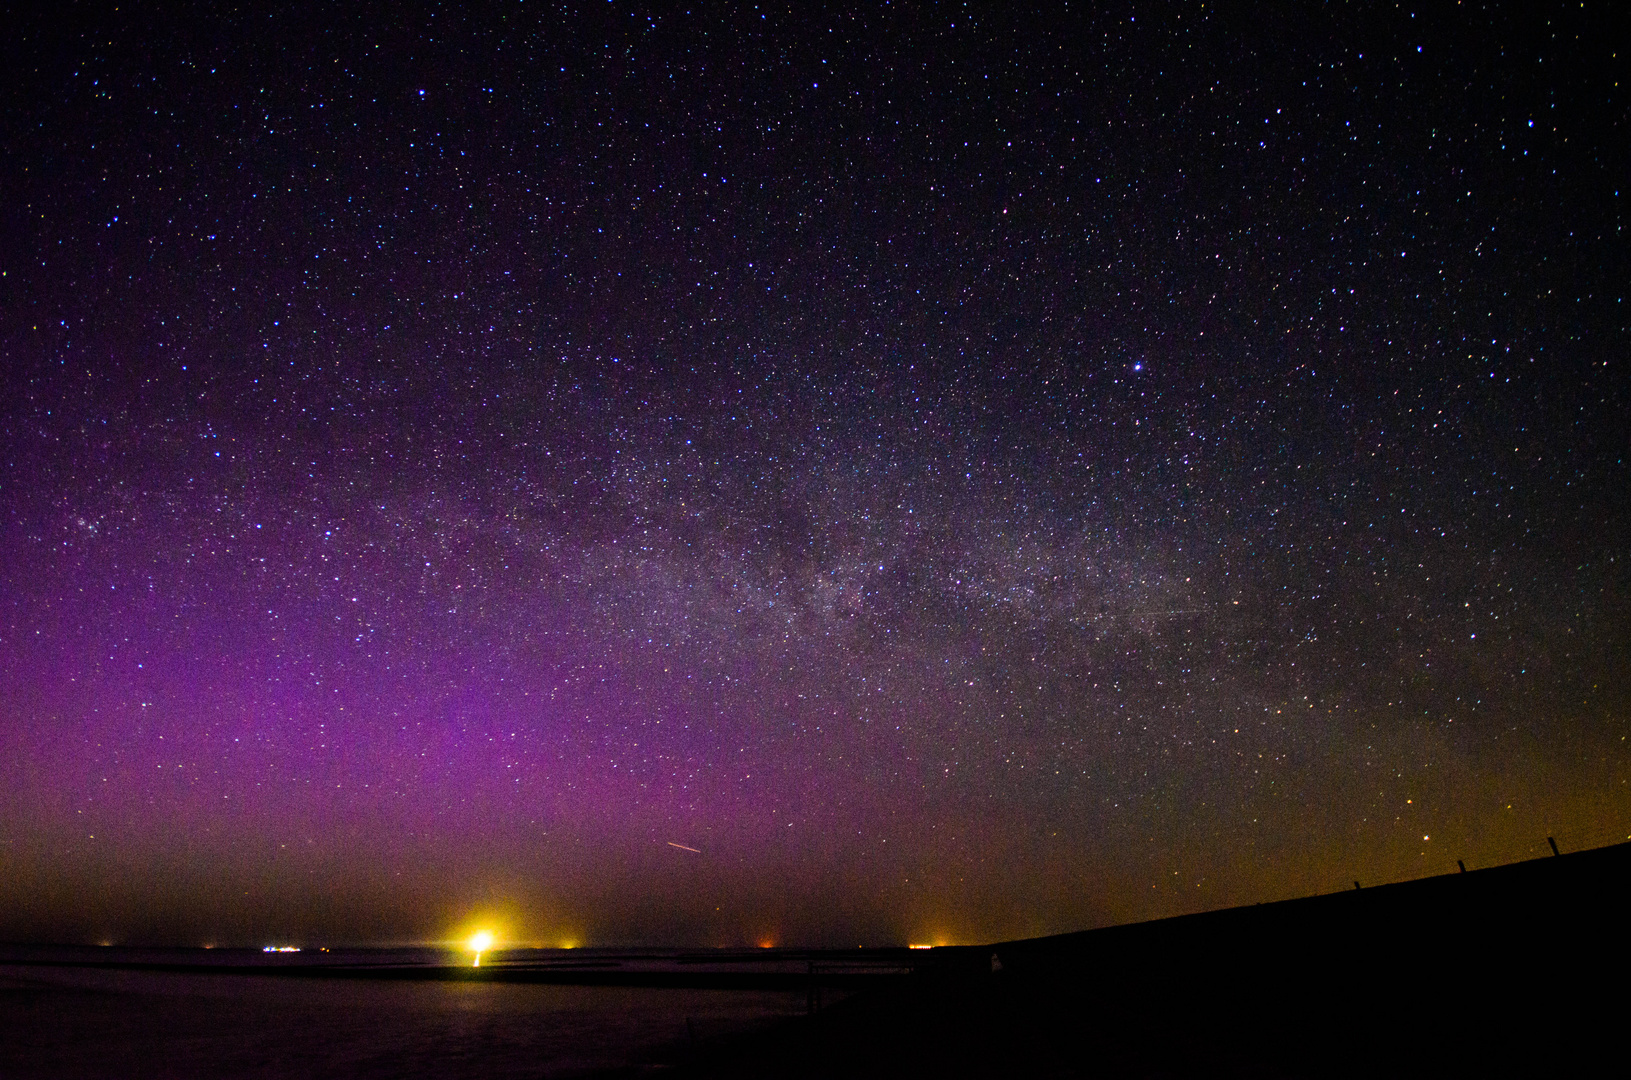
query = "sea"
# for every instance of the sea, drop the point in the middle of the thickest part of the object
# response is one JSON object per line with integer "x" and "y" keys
{"x": 72, "y": 1012}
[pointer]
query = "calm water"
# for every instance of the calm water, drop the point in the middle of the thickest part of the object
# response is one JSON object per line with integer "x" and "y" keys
{"x": 100, "y": 1022}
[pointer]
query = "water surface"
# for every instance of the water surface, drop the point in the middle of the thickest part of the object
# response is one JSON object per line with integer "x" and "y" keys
{"x": 98, "y": 1021}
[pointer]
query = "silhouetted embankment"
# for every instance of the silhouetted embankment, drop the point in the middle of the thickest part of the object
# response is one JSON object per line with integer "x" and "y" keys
{"x": 1518, "y": 969}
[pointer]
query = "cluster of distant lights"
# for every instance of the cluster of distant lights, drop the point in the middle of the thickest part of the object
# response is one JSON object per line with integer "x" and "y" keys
{"x": 482, "y": 941}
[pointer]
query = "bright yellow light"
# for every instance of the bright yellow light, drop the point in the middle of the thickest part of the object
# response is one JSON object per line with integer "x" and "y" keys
{"x": 480, "y": 942}
{"x": 920, "y": 946}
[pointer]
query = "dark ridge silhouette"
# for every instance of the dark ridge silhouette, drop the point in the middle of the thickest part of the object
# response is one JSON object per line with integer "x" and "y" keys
{"x": 1517, "y": 969}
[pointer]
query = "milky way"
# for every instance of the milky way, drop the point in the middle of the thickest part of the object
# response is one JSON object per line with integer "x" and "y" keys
{"x": 727, "y": 476}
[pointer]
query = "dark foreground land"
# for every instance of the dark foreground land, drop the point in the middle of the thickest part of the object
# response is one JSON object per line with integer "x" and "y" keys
{"x": 1516, "y": 970}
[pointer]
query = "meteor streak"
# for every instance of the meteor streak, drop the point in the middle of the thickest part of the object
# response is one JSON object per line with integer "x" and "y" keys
{"x": 682, "y": 847}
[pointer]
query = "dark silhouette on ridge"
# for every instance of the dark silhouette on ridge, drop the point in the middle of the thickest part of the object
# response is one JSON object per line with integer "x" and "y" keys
{"x": 1515, "y": 969}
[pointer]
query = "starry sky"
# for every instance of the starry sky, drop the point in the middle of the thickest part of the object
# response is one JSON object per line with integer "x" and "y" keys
{"x": 921, "y": 473}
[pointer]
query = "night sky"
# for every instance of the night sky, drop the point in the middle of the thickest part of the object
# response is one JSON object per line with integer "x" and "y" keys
{"x": 622, "y": 474}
